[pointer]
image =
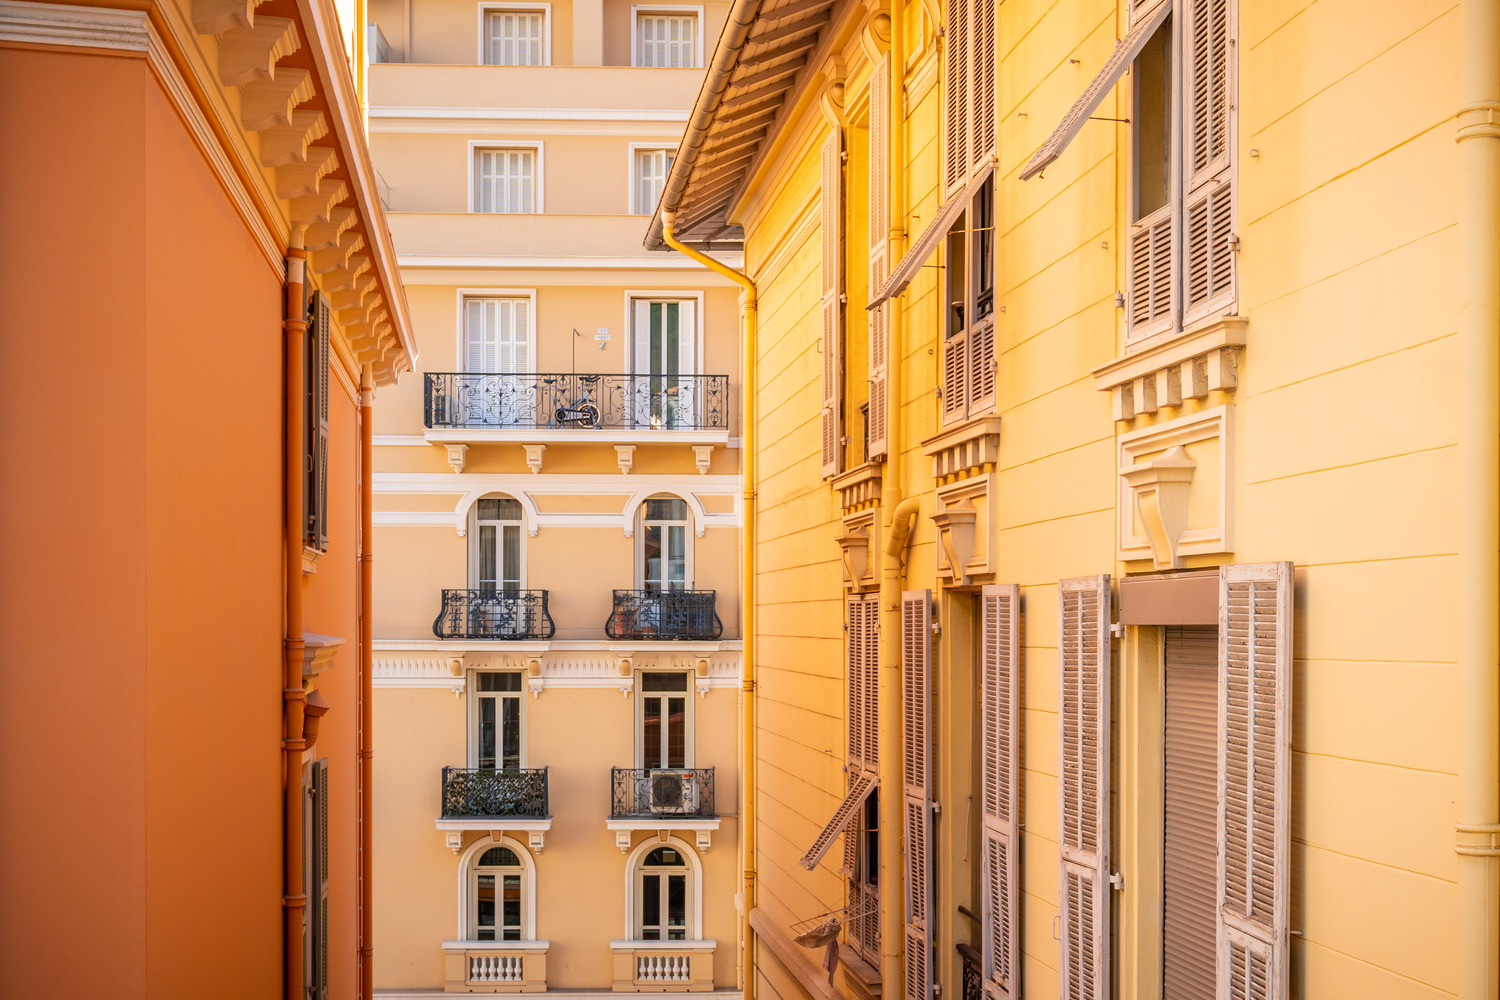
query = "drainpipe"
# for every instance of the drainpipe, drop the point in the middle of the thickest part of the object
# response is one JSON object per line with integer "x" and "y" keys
{"x": 362, "y": 62}
{"x": 294, "y": 698}
{"x": 1478, "y": 830}
{"x": 365, "y": 680}
{"x": 897, "y": 515}
{"x": 747, "y": 593}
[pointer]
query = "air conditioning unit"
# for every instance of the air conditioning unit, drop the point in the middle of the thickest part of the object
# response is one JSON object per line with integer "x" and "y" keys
{"x": 673, "y": 793}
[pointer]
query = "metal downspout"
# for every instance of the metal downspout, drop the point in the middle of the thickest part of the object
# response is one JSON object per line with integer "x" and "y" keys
{"x": 894, "y": 513}
{"x": 1478, "y": 827}
{"x": 366, "y": 675}
{"x": 744, "y": 960}
{"x": 294, "y": 698}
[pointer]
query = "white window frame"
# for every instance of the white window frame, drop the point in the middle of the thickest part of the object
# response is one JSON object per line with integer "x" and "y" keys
{"x": 632, "y": 296}
{"x": 538, "y": 177}
{"x": 640, "y": 720}
{"x": 473, "y": 539}
{"x": 688, "y": 534}
{"x": 468, "y": 900}
{"x": 670, "y": 10}
{"x": 489, "y": 7}
{"x": 461, "y": 343}
{"x": 632, "y": 171}
{"x": 473, "y": 699}
{"x": 633, "y": 865}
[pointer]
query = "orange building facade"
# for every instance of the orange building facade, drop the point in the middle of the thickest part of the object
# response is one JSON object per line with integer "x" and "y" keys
{"x": 187, "y": 216}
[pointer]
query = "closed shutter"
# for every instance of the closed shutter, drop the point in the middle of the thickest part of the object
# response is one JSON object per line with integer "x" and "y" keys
{"x": 880, "y": 85}
{"x": 982, "y": 367}
{"x": 833, "y": 254}
{"x": 497, "y": 335}
{"x": 505, "y": 180}
{"x": 956, "y": 371}
{"x": 1255, "y": 675}
{"x": 855, "y": 639}
{"x": 870, "y": 711}
{"x": 1000, "y": 755}
{"x": 1208, "y": 212}
{"x": 320, "y": 841}
{"x": 1084, "y": 724}
{"x": 1190, "y": 831}
{"x": 515, "y": 38}
{"x": 916, "y": 779}
{"x": 982, "y": 32}
{"x": 1152, "y": 253}
{"x": 315, "y": 486}
{"x": 315, "y": 879}
{"x": 956, "y": 156}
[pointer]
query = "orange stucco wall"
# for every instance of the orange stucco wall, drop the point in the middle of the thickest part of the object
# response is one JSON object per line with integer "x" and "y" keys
{"x": 141, "y": 583}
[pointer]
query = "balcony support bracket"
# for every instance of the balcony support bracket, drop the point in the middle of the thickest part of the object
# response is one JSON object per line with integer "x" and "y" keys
{"x": 458, "y": 455}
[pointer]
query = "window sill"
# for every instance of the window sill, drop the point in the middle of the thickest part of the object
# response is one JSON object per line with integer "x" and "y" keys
{"x": 863, "y": 976}
{"x": 309, "y": 560}
{"x": 530, "y": 946}
{"x": 1203, "y": 358}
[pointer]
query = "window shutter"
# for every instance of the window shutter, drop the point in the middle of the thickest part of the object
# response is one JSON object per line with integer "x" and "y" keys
{"x": 956, "y": 377}
{"x": 847, "y": 814}
{"x": 1151, "y": 256}
{"x": 315, "y": 487}
{"x": 687, "y": 340}
{"x": 642, "y": 337}
{"x": 916, "y": 655}
{"x": 956, "y": 97}
{"x": 1208, "y": 215}
{"x": 982, "y": 89}
{"x": 1000, "y": 754}
{"x": 854, "y": 676}
{"x": 1255, "y": 687}
{"x": 880, "y": 86}
{"x": 833, "y": 254}
{"x": 981, "y": 386}
{"x": 1084, "y": 725}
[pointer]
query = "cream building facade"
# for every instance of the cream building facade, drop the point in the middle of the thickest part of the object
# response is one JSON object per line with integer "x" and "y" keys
{"x": 557, "y": 513}
{"x": 1116, "y": 635}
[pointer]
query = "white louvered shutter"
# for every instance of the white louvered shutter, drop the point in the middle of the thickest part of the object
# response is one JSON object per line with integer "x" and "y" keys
{"x": 982, "y": 36}
{"x": 956, "y": 377}
{"x": 981, "y": 386}
{"x": 666, "y": 41}
{"x": 854, "y": 678}
{"x": 1084, "y": 728}
{"x": 497, "y": 335}
{"x": 956, "y": 78}
{"x": 505, "y": 181}
{"x": 1000, "y": 755}
{"x": 880, "y": 265}
{"x": 1208, "y": 211}
{"x": 870, "y": 711}
{"x": 832, "y": 346}
{"x": 515, "y": 38}
{"x": 916, "y": 794}
{"x": 1255, "y": 714}
{"x": 651, "y": 168}
{"x": 1152, "y": 264}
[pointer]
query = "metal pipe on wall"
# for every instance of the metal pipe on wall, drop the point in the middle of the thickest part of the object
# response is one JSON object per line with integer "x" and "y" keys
{"x": 365, "y": 681}
{"x": 1478, "y": 829}
{"x": 293, "y": 697}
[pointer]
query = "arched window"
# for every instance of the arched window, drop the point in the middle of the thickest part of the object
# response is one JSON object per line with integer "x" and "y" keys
{"x": 663, "y": 554}
{"x": 665, "y": 897}
{"x": 497, "y": 892}
{"x": 495, "y": 556}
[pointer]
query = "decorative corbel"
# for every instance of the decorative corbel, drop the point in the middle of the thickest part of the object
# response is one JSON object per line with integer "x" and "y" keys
{"x": 627, "y": 675}
{"x": 831, "y": 101}
{"x": 537, "y": 839}
{"x": 457, "y": 456}
{"x": 705, "y": 840}
{"x": 704, "y": 454}
{"x": 876, "y": 36}
{"x": 455, "y": 840}
{"x": 625, "y": 458}
{"x": 317, "y": 653}
{"x": 622, "y": 841}
{"x": 955, "y": 526}
{"x": 534, "y": 677}
{"x": 700, "y": 678}
{"x": 854, "y": 547}
{"x": 1161, "y": 488}
{"x": 534, "y": 457}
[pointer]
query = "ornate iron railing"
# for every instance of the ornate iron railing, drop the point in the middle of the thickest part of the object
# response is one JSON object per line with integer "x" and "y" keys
{"x": 680, "y": 792}
{"x": 494, "y": 614}
{"x": 530, "y": 400}
{"x": 479, "y": 791}
{"x": 667, "y": 614}
{"x": 973, "y": 972}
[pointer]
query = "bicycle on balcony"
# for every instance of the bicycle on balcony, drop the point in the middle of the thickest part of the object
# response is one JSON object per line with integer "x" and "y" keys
{"x": 581, "y": 410}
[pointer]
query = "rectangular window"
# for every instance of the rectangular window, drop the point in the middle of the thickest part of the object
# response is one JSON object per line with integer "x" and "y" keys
{"x": 497, "y": 335}
{"x": 666, "y": 41}
{"x": 315, "y": 879}
{"x": 497, "y": 726}
{"x": 968, "y": 372}
{"x": 651, "y": 167}
{"x": 666, "y": 338}
{"x": 663, "y": 547}
{"x": 664, "y": 720}
{"x": 505, "y": 181}
{"x": 499, "y": 907}
{"x": 515, "y": 38}
{"x": 315, "y": 421}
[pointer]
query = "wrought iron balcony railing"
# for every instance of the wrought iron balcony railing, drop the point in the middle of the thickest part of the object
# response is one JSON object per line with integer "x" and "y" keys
{"x": 973, "y": 968}
{"x": 485, "y": 792}
{"x": 685, "y": 793}
{"x": 531, "y": 400}
{"x": 494, "y": 614}
{"x": 668, "y": 614}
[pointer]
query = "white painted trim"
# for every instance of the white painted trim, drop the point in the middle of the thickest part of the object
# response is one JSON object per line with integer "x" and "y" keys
{"x": 564, "y": 435}
{"x": 656, "y": 823}
{"x": 537, "y": 178}
{"x": 689, "y": 733}
{"x": 662, "y": 946}
{"x": 636, "y": 9}
{"x": 634, "y": 179}
{"x": 695, "y": 868}
{"x": 663, "y": 132}
{"x": 461, "y": 346}
{"x": 398, "y": 441}
{"x": 634, "y": 295}
{"x": 699, "y": 519}
{"x": 465, "y": 863}
{"x": 445, "y": 519}
{"x": 486, "y": 6}
{"x": 559, "y": 483}
{"x": 436, "y": 994}
{"x": 669, "y": 262}
{"x": 532, "y": 946}
{"x": 471, "y": 716}
{"x": 490, "y": 823}
{"x": 527, "y": 114}
{"x": 1216, "y": 423}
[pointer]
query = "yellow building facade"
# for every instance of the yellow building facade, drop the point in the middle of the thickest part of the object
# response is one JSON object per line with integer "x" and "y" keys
{"x": 557, "y": 514}
{"x": 1123, "y": 534}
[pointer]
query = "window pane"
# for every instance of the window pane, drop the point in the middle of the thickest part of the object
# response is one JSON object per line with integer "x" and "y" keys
{"x": 651, "y": 556}
{"x": 499, "y": 509}
{"x": 1153, "y": 114}
{"x": 511, "y": 734}
{"x": 676, "y": 732}
{"x": 651, "y": 731}
{"x": 651, "y": 908}
{"x": 677, "y": 907}
{"x": 509, "y": 681}
{"x": 666, "y": 509}
{"x": 487, "y": 541}
{"x": 499, "y": 857}
{"x": 511, "y": 913}
{"x": 677, "y": 557}
{"x": 510, "y": 563}
{"x": 486, "y": 732}
{"x": 958, "y": 292}
{"x": 664, "y": 682}
{"x": 485, "y": 898}
{"x": 663, "y": 857}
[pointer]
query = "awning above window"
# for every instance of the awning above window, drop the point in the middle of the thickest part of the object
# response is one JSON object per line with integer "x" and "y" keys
{"x": 858, "y": 792}
{"x": 918, "y": 253}
{"x": 1125, "y": 52}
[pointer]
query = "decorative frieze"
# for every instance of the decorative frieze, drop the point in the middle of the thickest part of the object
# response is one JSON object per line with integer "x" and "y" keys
{"x": 578, "y": 665}
{"x": 859, "y": 488}
{"x": 970, "y": 448}
{"x": 1191, "y": 365}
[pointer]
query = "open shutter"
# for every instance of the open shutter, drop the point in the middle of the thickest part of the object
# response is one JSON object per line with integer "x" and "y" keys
{"x": 880, "y": 86}
{"x": 981, "y": 387}
{"x": 320, "y": 884}
{"x": 870, "y": 711}
{"x": 1000, "y": 754}
{"x": 916, "y": 779}
{"x": 316, "y": 487}
{"x": 845, "y": 817}
{"x": 956, "y": 377}
{"x": 833, "y": 258}
{"x": 855, "y": 639}
{"x": 1152, "y": 242}
{"x": 1084, "y": 690}
{"x": 1255, "y": 714}
{"x": 1208, "y": 213}
{"x": 982, "y": 33}
{"x": 956, "y": 95}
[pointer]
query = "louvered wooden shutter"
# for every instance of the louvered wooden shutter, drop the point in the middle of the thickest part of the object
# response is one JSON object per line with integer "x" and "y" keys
{"x": 833, "y": 255}
{"x": 982, "y": 34}
{"x": 1255, "y": 687}
{"x": 916, "y": 804}
{"x": 880, "y": 407}
{"x": 854, "y": 676}
{"x": 956, "y": 156}
{"x": 1152, "y": 264}
{"x": 981, "y": 388}
{"x": 1000, "y": 700}
{"x": 320, "y": 783}
{"x": 870, "y": 712}
{"x": 315, "y": 484}
{"x": 1208, "y": 212}
{"x": 1084, "y": 724}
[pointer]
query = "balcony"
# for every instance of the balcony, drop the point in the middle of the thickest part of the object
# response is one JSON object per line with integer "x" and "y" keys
{"x": 655, "y": 798}
{"x": 663, "y": 966}
{"x": 494, "y": 614}
{"x": 586, "y": 403}
{"x": 495, "y": 966}
{"x": 481, "y": 798}
{"x": 650, "y": 616}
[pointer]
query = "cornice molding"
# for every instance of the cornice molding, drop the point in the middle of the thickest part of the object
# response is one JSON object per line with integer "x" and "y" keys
{"x": 64, "y": 24}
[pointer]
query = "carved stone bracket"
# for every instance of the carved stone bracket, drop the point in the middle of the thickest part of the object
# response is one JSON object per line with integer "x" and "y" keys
{"x": 625, "y": 458}
{"x": 1191, "y": 365}
{"x": 534, "y": 457}
{"x": 854, "y": 547}
{"x": 1161, "y": 487}
{"x": 457, "y": 455}
{"x": 955, "y": 525}
{"x": 703, "y": 455}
